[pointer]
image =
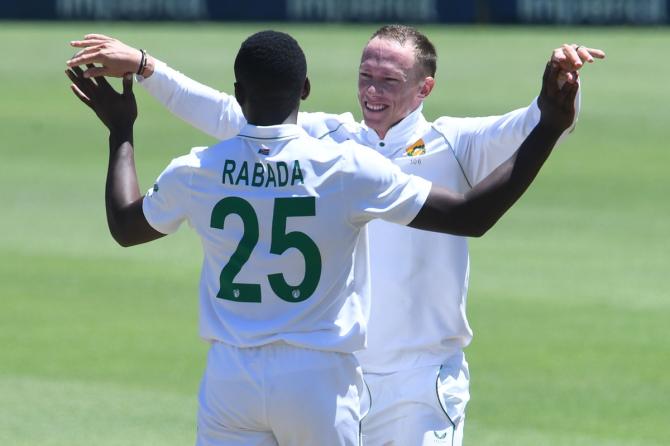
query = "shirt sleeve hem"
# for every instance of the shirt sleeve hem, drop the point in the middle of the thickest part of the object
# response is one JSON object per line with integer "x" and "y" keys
{"x": 163, "y": 229}
{"x": 423, "y": 190}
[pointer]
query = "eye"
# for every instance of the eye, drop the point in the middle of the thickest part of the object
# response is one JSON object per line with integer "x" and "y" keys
{"x": 364, "y": 75}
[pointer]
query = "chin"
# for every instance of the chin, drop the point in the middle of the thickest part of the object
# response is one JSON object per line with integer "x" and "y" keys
{"x": 372, "y": 118}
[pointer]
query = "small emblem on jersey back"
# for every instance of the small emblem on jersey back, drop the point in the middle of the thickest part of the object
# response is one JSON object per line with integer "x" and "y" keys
{"x": 416, "y": 149}
{"x": 264, "y": 150}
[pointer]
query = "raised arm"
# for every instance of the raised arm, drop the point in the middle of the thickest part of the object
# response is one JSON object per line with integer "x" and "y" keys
{"x": 123, "y": 200}
{"x": 479, "y": 209}
{"x": 205, "y": 108}
{"x": 482, "y": 144}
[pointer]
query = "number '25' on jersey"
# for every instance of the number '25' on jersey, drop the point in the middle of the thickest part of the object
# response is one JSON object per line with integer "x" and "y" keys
{"x": 282, "y": 217}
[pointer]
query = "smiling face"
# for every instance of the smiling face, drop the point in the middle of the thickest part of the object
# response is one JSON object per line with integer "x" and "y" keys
{"x": 391, "y": 84}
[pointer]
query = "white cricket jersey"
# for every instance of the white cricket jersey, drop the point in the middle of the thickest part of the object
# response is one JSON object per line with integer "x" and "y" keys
{"x": 419, "y": 279}
{"x": 281, "y": 217}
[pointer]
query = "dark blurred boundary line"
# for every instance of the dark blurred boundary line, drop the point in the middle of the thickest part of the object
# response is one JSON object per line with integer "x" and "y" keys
{"x": 562, "y": 12}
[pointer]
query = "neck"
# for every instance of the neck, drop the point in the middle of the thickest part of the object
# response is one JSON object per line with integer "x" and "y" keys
{"x": 383, "y": 130}
{"x": 267, "y": 117}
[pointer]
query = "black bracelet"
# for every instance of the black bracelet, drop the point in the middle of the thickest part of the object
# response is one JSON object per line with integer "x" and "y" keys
{"x": 143, "y": 63}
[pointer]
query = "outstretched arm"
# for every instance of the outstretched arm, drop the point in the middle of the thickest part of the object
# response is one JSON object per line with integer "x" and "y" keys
{"x": 123, "y": 200}
{"x": 479, "y": 209}
{"x": 482, "y": 144}
{"x": 215, "y": 113}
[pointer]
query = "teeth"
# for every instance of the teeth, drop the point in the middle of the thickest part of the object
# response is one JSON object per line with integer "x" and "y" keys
{"x": 375, "y": 107}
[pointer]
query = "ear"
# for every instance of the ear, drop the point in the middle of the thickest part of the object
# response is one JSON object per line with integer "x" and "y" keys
{"x": 306, "y": 89}
{"x": 427, "y": 87}
{"x": 239, "y": 93}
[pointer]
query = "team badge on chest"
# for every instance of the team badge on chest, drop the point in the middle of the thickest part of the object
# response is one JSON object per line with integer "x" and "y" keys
{"x": 416, "y": 149}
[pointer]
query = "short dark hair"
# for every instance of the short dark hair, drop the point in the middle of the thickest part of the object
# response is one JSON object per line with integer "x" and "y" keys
{"x": 272, "y": 66}
{"x": 424, "y": 50}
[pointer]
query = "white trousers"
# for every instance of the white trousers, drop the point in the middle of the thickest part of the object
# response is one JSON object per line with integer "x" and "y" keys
{"x": 418, "y": 407}
{"x": 279, "y": 394}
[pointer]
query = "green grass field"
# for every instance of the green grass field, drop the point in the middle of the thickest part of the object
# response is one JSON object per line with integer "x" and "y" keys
{"x": 569, "y": 297}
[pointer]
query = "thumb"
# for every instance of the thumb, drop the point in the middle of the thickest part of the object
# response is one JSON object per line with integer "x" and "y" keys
{"x": 127, "y": 84}
{"x": 571, "y": 94}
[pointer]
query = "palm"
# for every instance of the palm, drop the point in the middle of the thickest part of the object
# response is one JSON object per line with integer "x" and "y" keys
{"x": 115, "y": 110}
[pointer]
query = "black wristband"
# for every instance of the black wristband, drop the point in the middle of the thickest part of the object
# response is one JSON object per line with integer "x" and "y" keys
{"x": 143, "y": 63}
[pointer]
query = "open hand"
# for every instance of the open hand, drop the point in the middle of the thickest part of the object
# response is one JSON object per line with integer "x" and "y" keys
{"x": 117, "y": 111}
{"x": 557, "y": 103}
{"x": 117, "y": 58}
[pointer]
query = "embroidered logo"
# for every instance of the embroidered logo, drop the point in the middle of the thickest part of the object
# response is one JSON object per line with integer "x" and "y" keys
{"x": 416, "y": 149}
{"x": 440, "y": 435}
{"x": 264, "y": 150}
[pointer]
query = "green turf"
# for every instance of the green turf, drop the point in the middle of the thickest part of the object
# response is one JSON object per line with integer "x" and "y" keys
{"x": 569, "y": 299}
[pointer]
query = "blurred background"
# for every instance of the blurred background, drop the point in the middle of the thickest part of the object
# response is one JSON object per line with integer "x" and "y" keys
{"x": 569, "y": 295}
{"x": 607, "y": 12}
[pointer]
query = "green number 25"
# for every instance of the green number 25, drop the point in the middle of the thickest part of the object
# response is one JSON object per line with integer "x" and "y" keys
{"x": 280, "y": 242}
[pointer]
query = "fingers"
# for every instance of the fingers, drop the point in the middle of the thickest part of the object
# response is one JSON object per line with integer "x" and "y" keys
{"x": 71, "y": 75}
{"x": 97, "y": 73}
{"x": 568, "y": 58}
{"x": 571, "y": 93}
{"x": 82, "y": 97}
{"x": 88, "y": 55}
{"x": 583, "y": 54}
{"x": 91, "y": 39}
{"x": 572, "y": 57}
{"x": 87, "y": 43}
{"x": 88, "y": 50}
{"x": 115, "y": 57}
{"x": 76, "y": 90}
{"x": 567, "y": 96}
{"x": 87, "y": 86}
{"x": 589, "y": 54}
{"x": 98, "y": 36}
{"x": 569, "y": 77}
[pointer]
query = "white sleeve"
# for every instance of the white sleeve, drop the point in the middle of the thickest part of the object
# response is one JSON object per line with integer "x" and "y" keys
{"x": 215, "y": 113}
{"x": 319, "y": 125}
{"x": 482, "y": 144}
{"x": 165, "y": 203}
{"x": 379, "y": 189}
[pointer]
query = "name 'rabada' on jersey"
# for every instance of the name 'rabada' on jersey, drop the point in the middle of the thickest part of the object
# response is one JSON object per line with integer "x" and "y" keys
{"x": 262, "y": 174}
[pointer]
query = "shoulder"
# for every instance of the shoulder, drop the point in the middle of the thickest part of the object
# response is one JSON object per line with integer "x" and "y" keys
{"x": 327, "y": 118}
{"x": 182, "y": 167}
{"x": 363, "y": 161}
{"x": 321, "y": 124}
{"x": 450, "y": 124}
{"x": 455, "y": 125}
{"x": 190, "y": 160}
{"x": 460, "y": 130}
